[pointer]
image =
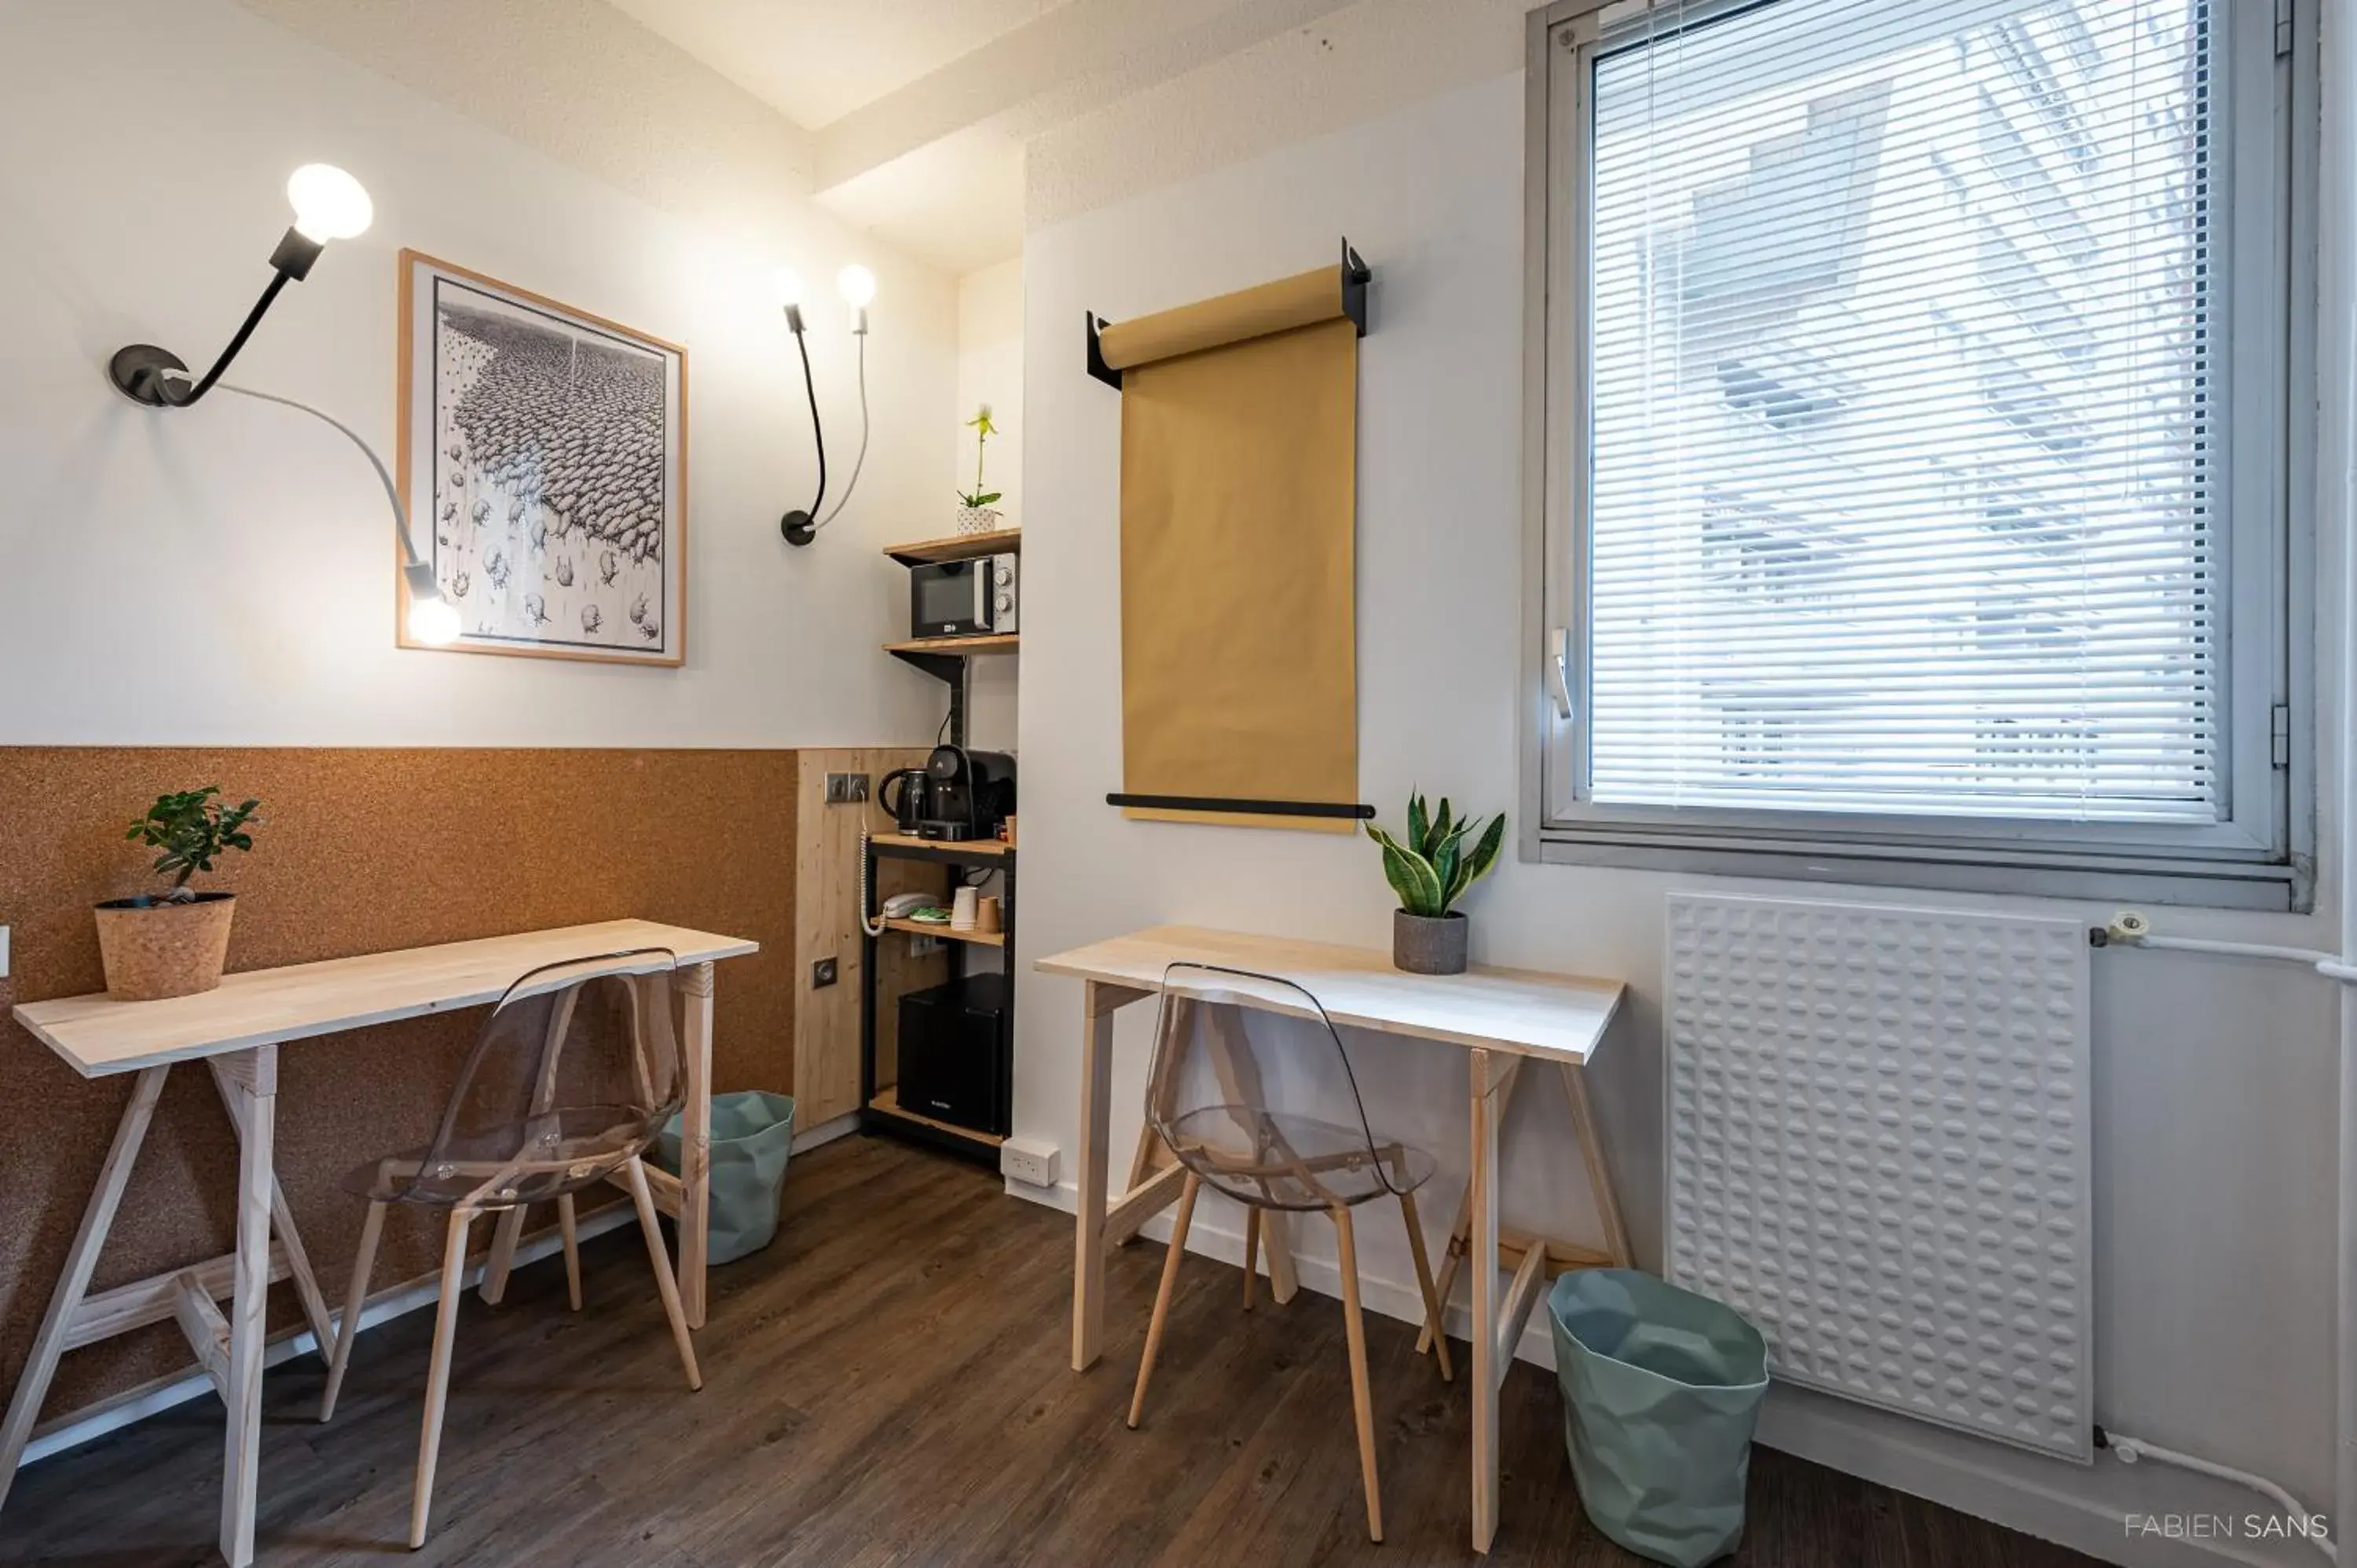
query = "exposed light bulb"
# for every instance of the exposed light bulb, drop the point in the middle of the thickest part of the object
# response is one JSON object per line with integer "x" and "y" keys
{"x": 788, "y": 285}
{"x": 329, "y": 203}
{"x": 434, "y": 622}
{"x": 857, "y": 285}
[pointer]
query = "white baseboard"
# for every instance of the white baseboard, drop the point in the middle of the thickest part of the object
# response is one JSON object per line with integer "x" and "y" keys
{"x": 826, "y": 1132}
{"x": 136, "y": 1405}
{"x": 2084, "y": 1508}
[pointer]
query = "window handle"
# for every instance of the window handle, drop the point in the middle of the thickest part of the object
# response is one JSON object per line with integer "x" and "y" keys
{"x": 1559, "y": 662}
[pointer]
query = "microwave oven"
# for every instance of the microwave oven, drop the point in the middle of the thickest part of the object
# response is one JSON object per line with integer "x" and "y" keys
{"x": 963, "y": 598}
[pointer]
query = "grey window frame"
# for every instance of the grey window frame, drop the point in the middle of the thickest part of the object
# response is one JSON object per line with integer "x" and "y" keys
{"x": 2263, "y": 855}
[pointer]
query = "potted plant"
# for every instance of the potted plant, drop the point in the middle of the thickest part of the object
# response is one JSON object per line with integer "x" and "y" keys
{"x": 1430, "y": 869}
{"x": 975, "y": 513}
{"x": 173, "y": 943}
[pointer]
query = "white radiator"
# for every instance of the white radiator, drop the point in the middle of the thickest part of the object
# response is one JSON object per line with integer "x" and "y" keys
{"x": 1877, "y": 1152}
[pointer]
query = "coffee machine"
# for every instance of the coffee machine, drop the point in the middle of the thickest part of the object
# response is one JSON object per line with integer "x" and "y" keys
{"x": 967, "y": 794}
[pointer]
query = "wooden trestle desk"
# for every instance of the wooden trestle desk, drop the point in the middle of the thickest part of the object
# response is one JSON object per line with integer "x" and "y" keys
{"x": 1504, "y": 1020}
{"x": 236, "y": 1032}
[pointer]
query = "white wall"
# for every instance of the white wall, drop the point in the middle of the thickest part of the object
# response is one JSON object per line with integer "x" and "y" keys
{"x": 223, "y": 574}
{"x": 2214, "y": 1080}
{"x": 990, "y": 370}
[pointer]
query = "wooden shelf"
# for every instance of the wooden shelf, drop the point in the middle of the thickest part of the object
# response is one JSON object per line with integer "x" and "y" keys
{"x": 951, "y": 850}
{"x": 948, "y": 933}
{"x": 889, "y": 1102}
{"x": 958, "y": 547}
{"x": 1001, "y": 643}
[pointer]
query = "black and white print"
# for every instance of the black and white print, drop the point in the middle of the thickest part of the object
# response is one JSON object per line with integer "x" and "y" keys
{"x": 549, "y": 445}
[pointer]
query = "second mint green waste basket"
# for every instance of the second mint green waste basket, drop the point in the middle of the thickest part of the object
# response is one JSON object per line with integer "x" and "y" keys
{"x": 752, "y": 1134}
{"x": 1661, "y": 1391}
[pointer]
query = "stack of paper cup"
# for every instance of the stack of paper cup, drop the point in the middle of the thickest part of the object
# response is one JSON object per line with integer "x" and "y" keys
{"x": 961, "y": 909}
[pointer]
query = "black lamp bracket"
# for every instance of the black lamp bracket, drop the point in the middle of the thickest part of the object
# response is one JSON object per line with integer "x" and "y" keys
{"x": 157, "y": 378}
{"x": 800, "y": 526}
{"x": 1356, "y": 275}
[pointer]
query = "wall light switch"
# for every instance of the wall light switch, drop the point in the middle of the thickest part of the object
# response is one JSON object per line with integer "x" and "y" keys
{"x": 3, "y": 952}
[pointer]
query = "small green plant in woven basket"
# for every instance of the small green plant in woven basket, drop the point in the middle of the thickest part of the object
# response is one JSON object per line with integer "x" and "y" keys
{"x": 192, "y": 830}
{"x": 1440, "y": 857}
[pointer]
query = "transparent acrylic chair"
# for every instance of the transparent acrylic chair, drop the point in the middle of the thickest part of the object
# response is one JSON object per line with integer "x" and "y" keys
{"x": 571, "y": 1078}
{"x": 1208, "y": 1098}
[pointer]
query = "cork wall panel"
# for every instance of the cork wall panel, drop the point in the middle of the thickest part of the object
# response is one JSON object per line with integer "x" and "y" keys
{"x": 360, "y": 850}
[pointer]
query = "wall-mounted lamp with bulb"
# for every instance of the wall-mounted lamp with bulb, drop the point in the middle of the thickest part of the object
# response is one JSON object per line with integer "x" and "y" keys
{"x": 857, "y": 286}
{"x": 329, "y": 205}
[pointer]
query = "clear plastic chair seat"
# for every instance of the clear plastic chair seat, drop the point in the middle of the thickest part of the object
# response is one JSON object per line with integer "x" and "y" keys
{"x": 1276, "y": 1160}
{"x": 530, "y": 1161}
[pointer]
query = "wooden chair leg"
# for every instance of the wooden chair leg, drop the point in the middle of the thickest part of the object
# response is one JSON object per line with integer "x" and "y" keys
{"x": 1176, "y": 1250}
{"x": 355, "y": 1299}
{"x": 438, "y": 1373}
{"x": 1432, "y": 1321}
{"x": 572, "y": 1251}
{"x": 1251, "y": 1253}
{"x": 1363, "y": 1403}
{"x": 665, "y": 1283}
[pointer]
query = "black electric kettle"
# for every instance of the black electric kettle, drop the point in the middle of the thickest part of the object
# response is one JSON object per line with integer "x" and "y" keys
{"x": 916, "y": 794}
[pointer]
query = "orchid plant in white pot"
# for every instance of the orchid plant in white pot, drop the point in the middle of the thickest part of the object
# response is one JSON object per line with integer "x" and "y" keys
{"x": 975, "y": 514}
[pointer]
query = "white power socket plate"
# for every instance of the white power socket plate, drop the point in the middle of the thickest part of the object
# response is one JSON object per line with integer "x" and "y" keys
{"x": 1032, "y": 1161}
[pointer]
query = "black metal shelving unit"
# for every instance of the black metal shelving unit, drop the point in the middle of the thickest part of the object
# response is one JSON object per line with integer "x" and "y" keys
{"x": 880, "y": 1111}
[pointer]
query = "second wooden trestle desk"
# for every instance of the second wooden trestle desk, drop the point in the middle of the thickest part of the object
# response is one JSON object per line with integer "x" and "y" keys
{"x": 1504, "y": 1020}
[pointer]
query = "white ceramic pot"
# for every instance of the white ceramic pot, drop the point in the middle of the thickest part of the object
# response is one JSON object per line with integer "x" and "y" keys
{"x": 977, "y": 520}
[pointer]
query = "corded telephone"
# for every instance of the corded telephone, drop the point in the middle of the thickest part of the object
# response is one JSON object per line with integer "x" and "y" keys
{"x": 901, "y": 906}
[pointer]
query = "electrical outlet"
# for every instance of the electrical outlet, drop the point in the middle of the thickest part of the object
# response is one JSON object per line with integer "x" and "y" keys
{"x": 845, "y": 789}
{"x": 921, "y": 946}
{"x": 858, "y": 787}
{"x": 1032, "y": 1161}
{"x": 823, "y": 973}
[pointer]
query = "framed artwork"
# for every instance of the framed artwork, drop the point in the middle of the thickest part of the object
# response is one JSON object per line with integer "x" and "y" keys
{"x": 547, "y": 450}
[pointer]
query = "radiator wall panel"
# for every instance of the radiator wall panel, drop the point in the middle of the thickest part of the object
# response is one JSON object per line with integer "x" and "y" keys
{"x": 1878, "y": 1143}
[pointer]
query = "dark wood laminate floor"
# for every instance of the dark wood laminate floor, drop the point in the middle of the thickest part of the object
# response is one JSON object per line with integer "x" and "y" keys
{"x": 887, "y": 1384}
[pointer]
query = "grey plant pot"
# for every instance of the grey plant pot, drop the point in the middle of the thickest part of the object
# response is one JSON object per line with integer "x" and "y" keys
{"x": 1422, "y": 944}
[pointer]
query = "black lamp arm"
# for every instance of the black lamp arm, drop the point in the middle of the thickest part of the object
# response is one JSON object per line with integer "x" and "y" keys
{"x": 798, "y": 525}
{"x": 156, "y": 377}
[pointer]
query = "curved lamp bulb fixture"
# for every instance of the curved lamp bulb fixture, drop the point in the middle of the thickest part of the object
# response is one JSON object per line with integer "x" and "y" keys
{"x": 857, "y": 286}
{"x": 329, "y": 205}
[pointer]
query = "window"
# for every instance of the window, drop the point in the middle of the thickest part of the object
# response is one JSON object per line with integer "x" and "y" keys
{"x": 1910, "y": 474}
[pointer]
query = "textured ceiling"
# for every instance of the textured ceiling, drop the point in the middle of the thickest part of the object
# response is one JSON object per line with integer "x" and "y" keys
{"x": 817, "y": 61}
{"x": 918, "y": 112}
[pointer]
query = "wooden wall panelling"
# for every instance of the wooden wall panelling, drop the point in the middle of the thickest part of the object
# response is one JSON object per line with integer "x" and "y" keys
{"x": 360, "y": 850}
{"x": 826, "y": 924}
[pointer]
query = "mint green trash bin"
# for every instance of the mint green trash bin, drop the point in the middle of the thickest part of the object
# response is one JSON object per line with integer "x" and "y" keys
{"x": 752, "y": 1134}
{"x": 1660, "y": 1392}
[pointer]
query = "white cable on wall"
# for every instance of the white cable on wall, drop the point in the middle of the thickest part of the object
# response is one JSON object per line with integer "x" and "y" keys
{"x": 2129, "y": 928}
{"x": 2133, "y": 1450}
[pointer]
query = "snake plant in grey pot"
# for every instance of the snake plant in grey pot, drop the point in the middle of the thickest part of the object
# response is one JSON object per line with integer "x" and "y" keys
{"x": 1430, "y": 867}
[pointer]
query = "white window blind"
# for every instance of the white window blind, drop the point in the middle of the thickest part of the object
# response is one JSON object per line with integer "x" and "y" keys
{"x": 1902, "y": 432}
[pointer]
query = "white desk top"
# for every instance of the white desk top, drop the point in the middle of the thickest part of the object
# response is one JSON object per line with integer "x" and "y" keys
{"x": 98, "y": 1036}
{"x": 1560, "y": 1018}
